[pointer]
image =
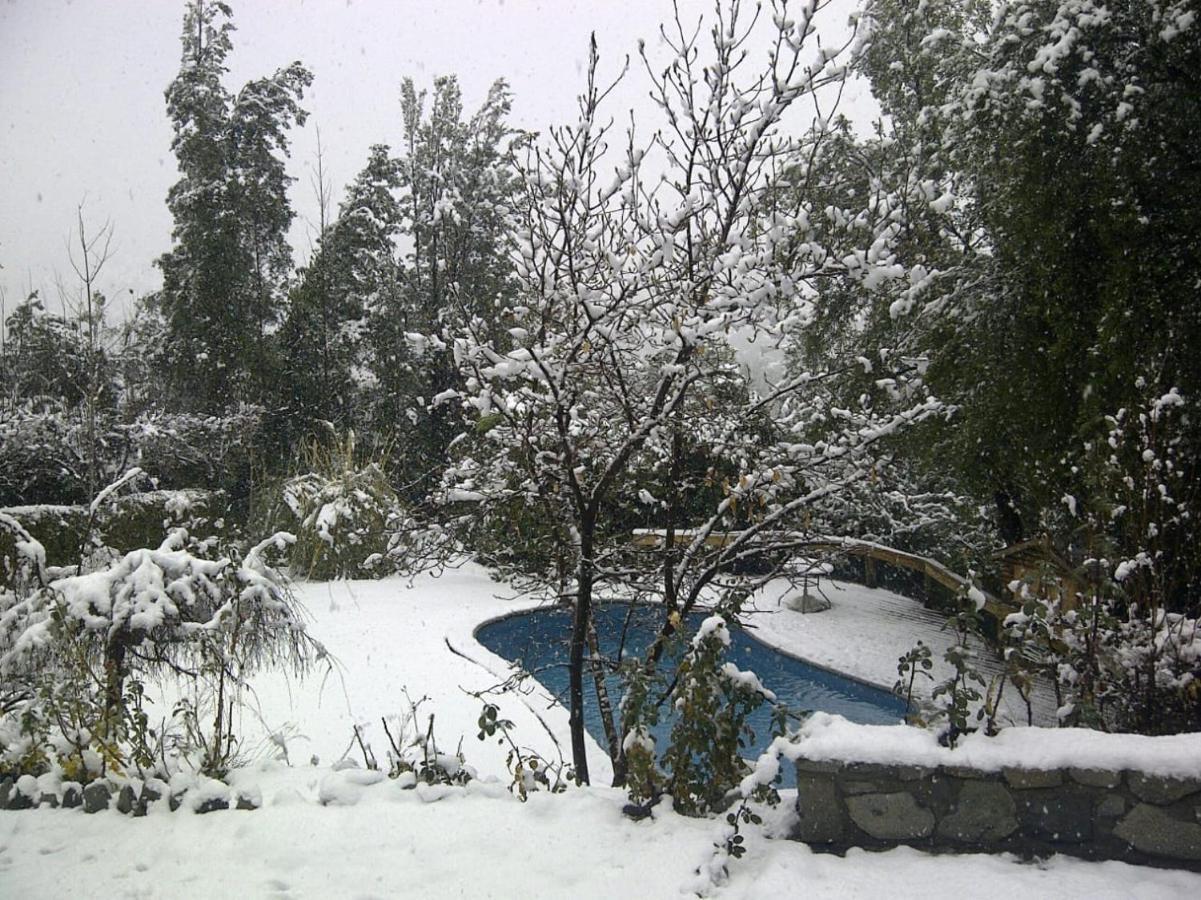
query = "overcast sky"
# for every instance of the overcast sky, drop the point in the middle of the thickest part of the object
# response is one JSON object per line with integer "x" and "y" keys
{"x": 83, "y": 119}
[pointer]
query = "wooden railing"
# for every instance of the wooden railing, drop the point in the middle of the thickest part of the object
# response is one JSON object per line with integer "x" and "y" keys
{"x": 844, "y": 546}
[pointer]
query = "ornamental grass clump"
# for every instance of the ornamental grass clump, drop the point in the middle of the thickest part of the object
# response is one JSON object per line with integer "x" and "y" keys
{"x": 345, "y": 514}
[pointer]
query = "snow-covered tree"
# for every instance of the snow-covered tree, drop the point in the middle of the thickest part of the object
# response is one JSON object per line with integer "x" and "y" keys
{"x": 354, "y": 274}
{"x": 225, "y": 275}
{"x": 1057, "y": 144}
{"x": 457, "y": 186}
{"x": 638, "y": 291}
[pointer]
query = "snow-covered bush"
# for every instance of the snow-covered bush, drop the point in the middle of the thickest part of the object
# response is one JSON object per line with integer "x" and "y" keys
{"x": 1125, "y": 651}
{"x": 347, "y": 518}
{"x": 702, "y": 765}
{"x": 1114, "y": 666}
{"x": 47, "y": 448}
{"x": 80, "y": 647}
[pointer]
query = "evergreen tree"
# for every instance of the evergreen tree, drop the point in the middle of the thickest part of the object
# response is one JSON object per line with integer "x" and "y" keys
{"x": 1052, "y": 149}
{"x": 353, "y": 272}
{"x": 457, "y": 194}
{"x": 224, "y": 277}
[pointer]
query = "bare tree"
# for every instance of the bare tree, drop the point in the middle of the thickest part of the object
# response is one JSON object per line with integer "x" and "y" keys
{"x": 637, "y": 292}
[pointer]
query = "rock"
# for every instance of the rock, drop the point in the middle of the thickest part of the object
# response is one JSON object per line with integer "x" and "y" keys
{"x": 1153, "y": 831}
{"x": 17, "y": 800}
{"x": 24, "y": 794}
{"x": 149, "y": 794}
{"x": 6, "y": 789}
{"x": 1155, "y": 789}
{"x": 984, "y": 812}
{"x": 72, "y": 795}
{"x": 1101, "y": 778}
{"x": 1061, "y": 817}
{"x": 211, "y": 805}
{"x": 96, "y": 797}
{"x": 821, "y": 766}
{"x": 1027, "y": 779}
{"x": 48, "y": 799}
{"x": 913, "y": 773}
{"x": 125, "y": 800}
{"x": 891, "y": 817}
{"x": 1111, "y": 807}
{"x": 248, "y": 801}
{"x": 175, "y": 801}
{"x": 820, "y": 819}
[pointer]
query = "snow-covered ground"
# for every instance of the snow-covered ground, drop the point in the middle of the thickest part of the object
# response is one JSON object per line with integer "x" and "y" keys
{"x": 478, "y": 841}
{"x": 866, "y": 630}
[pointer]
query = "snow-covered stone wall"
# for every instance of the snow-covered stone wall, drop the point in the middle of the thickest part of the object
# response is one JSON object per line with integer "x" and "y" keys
{"x": 1032, "y": 792}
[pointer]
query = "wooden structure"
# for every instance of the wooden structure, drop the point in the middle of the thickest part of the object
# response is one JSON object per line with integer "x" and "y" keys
{"x": 930, "y": 569}
{"x": 1037, "y": 564}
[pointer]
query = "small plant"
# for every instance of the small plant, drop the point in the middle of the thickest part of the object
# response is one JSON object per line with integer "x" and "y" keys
{"x": 530, "y": 770}
{"x": 81, "y": 646}
{"x": 702, "y": 765}
{"x": 955, "y": 697}
{"x": 916, "y": 662}
{"x": 414, "y": 750}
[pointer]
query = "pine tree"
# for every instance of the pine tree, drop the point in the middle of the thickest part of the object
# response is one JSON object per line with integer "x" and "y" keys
{"x": 354, "y": 272}
{"x": 225, "y": 275}
{"x": 457, "y": 194}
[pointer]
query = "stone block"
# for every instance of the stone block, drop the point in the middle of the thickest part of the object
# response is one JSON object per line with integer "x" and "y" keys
{"x": 6, "y": 789}
{"x": 1028, "y": 779}
{"x": 985, "y": 812}
{"x": 820, "y": 818}
{"x": 50, "y": 800}
{"x": 72, "y": 795}
{"x": 1154, "y": 789}
{"x": 1153, "y": 831}
{"x": 819, "y": 766}
{"x": 213, "y": 804}
{"x": 126, "y": 800}
{"x": 150, "y": 793}
{"x": 96, "y": 797}
{"x": 1102, "y": 778}
{"x": 1059, "y": 817}
{"x": 1111, "y": 806}
{"x": 866, "y": 787}
{"x": 964, "y": 772}
{"x": 891, "y": 817}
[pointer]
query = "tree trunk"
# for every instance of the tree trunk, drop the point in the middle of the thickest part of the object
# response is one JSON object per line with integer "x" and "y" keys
{"x": 608, "y": 720}
{"x": 579, "y": 639}
{"x": 114, "y": 683}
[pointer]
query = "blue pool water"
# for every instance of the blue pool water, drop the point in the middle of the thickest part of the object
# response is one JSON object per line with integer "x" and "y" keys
{"x": 539, "y": 641}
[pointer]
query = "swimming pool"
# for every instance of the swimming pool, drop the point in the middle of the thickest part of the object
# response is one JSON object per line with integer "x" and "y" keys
{"x": 539, "y": 641}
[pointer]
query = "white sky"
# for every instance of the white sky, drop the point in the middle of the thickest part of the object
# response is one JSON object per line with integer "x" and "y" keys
{"x": 82, "y": 114}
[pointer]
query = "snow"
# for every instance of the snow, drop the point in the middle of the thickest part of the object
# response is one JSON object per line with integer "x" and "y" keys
{"x": 828, "y": 737}
{"x": 331, "y": 829}
{"x": 866, "y": 631}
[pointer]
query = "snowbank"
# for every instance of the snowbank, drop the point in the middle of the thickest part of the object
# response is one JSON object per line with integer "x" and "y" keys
{"x": 829, "y": 737}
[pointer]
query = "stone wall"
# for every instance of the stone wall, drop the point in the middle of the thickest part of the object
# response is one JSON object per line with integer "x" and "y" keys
{"x": 1093, "y": 813}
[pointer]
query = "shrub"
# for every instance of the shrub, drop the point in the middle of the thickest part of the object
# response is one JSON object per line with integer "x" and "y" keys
{"x": 75, "y": 652}
{"x": 347, "y": 518}
{"x": 702, "y": 767}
